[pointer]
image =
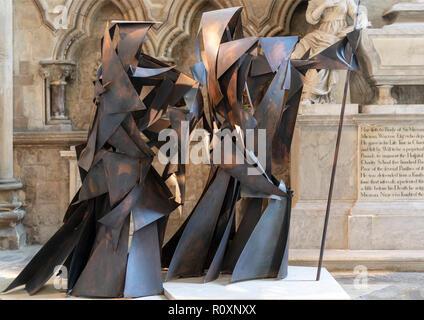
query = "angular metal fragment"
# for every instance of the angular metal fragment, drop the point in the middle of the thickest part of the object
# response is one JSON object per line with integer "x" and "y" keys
{"x": 216, "y": 264}
{"x": 277, "y": 49}
{"x": 143, "y": 276}
{"x": 190, "y": 253}
{"x": 104, "y": 274}
{"x": 250, "y": 83}
{"x": 231, "y": 51}
{"x": 251, "y": 211}
{"x": 264, "y": 251}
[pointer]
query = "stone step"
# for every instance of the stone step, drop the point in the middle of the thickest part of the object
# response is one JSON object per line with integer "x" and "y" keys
{"x": 348, "y": 260}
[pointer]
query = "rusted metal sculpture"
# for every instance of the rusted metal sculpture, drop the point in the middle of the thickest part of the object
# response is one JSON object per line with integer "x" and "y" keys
{"x": 252, "y": 84}
{"x": 132, "y": 93}
{"x": 246, "y": 90}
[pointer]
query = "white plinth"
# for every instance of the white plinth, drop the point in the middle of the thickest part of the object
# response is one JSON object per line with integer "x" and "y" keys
{"x": 299, "y": 285}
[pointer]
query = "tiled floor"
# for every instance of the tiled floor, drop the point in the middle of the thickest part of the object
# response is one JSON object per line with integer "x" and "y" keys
{"x": 376, "y": 285}
{"x": 383, "y": 285}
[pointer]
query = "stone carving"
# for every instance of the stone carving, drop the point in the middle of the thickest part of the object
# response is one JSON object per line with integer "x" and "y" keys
{"x": 406, "y": 12}
{"x": 54, "y": 13}
{"x": 119, "y": 181}
{"x": 158, "y": 10}
{"x": 56, "y": 73}
{"x": 382, "y": 49}
{"x": 95, "y": 67}
{"x": 392, "y": 164}
{"x": 268, "y": 19}
{"x": 330, "y": 18}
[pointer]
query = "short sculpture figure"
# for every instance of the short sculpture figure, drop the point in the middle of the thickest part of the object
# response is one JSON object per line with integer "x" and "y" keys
{"x": 330, "y": 19}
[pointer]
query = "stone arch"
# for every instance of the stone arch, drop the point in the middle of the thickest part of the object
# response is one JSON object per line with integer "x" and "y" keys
{"x": 182, "y": 50}
{"x": 80, "y": 14}
{"x": 85, "y": 52}
{"x": 265, "y": 18}
{"x": 178, "y": 26}
{"x": 282, "y": 15}
{"x": 273, "y": 20}
{"x": 260, "y": 18}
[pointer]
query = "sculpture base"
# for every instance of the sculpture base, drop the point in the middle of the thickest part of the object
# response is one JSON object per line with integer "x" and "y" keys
{"x": 299, "y": 285}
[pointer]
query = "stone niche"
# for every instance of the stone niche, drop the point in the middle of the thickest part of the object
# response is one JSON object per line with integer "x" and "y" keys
{"x": 56, "y": 75}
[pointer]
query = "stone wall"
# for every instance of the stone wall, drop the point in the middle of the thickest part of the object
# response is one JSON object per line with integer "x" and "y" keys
{"x": 379, "y": 186}
{"x": 40, "y": 35}
{"x": 45, "y": 178}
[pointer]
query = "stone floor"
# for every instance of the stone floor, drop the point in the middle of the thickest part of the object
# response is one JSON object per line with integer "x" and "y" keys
{"x": 373, "y": 286}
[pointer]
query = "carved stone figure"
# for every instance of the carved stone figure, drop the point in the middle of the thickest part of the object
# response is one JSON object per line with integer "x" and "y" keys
{"x": 330, "y": 18}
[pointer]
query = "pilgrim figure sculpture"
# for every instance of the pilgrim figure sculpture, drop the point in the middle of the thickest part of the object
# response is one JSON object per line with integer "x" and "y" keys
{"x": 252, "y": 84}
{"x": 331, "y": 20}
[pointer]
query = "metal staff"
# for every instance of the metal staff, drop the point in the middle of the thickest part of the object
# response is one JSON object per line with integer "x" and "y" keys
{"x": 336, "y": 153}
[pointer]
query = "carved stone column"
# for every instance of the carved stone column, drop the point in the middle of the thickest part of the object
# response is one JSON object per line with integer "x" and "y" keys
{"x": 385, "y": 95}
{"x": 57, "y": 74}
{"x": 12, "y": 234}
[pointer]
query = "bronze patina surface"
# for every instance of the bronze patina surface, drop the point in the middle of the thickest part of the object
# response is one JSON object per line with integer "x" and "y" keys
{"x": 250, "y": 83}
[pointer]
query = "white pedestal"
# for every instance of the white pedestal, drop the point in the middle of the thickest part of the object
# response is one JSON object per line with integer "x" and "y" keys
{"x": 299, "y": 285}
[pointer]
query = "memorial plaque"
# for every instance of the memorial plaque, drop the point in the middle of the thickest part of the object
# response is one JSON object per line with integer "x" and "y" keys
{"x": 392, "y": 162}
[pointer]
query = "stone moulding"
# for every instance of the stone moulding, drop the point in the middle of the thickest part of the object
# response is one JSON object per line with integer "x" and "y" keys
{"x": 56, "y": 75}
{"x": 45, "y": 13}
{"x": 31, "y": 138}
{"x": 390, "y": 55}
{"x": 176, "y": 27}
{"x": 406, "y": 13}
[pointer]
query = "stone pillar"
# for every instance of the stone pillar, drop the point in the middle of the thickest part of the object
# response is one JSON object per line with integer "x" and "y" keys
{"x": 385, "y": 95}
{"x": 74, "y": 175}
{"x": 57, "y": 74}
{"x": 390, "y": 57}
{"x": 12, "y": 234}
{"x": 312, "y": 157}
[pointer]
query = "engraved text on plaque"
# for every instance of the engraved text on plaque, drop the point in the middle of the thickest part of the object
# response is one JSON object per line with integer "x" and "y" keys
{"x": 392, "y": 162}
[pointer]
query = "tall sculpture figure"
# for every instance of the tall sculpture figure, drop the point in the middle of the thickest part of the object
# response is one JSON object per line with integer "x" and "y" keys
{"x": 132, "y": 93}
{"x": 247, "y": 90}
{"x": 251, "y": 85}
{"x": 330, "y": 19}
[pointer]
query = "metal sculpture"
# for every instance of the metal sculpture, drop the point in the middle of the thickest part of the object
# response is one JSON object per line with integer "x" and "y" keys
{"x": 235, "y": 76}
{"x": 252, "y": 84}
{"x": 132, "y": 93}
{"x": 246, "y": 90}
